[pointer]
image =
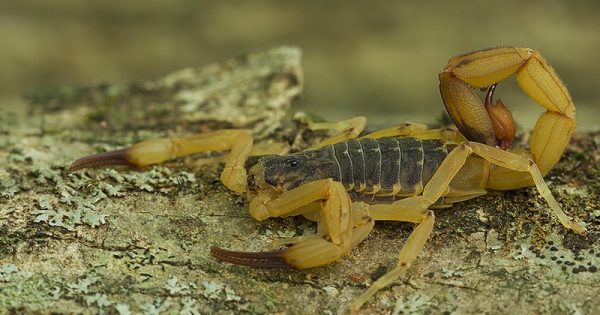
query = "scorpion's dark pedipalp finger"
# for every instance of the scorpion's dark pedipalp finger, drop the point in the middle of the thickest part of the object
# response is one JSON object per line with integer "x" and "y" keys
{"x": 272, "y": 259}
{"x": 117, "y": 157}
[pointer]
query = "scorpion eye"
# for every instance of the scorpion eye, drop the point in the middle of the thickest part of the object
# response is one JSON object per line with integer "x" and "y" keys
{"x": 293, "y": 162}
{"x": 252, "y": 184}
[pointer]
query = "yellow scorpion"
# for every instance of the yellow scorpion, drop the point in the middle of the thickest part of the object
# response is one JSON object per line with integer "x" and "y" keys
{"x": 349, "y": 181}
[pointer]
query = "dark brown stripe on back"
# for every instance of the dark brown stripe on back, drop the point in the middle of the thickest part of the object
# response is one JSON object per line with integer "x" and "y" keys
{"x": 358, "y": 163}
{"x": 345, "y": 163}
{"x": 411, "y": 164}
{"x": 390, "y": 164}
{"x": 434, "y": 153}
{"x": 372, "y": 163}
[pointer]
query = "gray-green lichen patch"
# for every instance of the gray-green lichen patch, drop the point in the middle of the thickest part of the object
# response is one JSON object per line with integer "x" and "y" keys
{"x": 137, "y": 241}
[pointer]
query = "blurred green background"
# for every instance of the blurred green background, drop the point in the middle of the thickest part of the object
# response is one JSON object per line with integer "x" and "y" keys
{"x": 378, "y": 59}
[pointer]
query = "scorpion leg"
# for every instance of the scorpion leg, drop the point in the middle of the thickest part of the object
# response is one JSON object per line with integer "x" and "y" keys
{"x": 238, "y": 141}
{"x": 419, "y": 131}
{"x": 405, "y": 129}
{"x": 414, "y": 209}
{"x": 409, "y": 252}
{"x": 519, "y": 163}
{"x": 269, "y": 148}
{"x": 347, "y": 129}
{"x": 447, "y": 135}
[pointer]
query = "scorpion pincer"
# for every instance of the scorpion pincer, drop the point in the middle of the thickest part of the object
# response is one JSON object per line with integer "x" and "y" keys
{"x": 347, "y": 182}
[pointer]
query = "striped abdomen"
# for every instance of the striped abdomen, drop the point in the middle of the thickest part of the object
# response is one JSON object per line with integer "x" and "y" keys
{"x": 392, "y": 166}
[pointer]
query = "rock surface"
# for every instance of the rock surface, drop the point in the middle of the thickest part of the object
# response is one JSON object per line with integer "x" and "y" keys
{"x": 136, "y": 241}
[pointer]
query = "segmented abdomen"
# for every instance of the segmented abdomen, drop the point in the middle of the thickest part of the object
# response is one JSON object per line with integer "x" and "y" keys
{"x": 391, "y": 166}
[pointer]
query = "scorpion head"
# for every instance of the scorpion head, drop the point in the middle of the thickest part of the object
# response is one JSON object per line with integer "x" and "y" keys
{"x": 282, "y": 173}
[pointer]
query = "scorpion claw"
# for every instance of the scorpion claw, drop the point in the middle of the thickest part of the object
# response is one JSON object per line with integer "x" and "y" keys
{"x": 117, "y": 157}
{"x": 311, "y": 252}
{"x": 272, "y": 259}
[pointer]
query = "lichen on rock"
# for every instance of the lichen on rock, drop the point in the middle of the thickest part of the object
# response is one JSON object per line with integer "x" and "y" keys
{"x": 137, "y": 241}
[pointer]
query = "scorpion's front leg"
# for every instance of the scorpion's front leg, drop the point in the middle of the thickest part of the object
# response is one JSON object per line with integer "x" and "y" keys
{"x": 339, "y": 228}
{"x": 238, "y": 141}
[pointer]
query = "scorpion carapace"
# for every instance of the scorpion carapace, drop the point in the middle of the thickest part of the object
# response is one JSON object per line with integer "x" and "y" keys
{"x": 411, "y": 168}
{"x": 368, "y": 168}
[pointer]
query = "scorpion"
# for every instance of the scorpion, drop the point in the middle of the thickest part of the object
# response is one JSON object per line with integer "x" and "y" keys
{"x": 349, "y": 181}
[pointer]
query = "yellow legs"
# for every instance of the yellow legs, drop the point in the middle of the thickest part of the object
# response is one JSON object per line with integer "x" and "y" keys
{"x": 238, "y": 141}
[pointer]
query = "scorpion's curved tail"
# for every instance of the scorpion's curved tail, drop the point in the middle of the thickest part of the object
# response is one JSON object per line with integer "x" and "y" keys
{"x": 479, "y": 123}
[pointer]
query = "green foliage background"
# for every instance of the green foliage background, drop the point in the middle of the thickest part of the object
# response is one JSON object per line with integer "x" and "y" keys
{"x": 377, "y": 58}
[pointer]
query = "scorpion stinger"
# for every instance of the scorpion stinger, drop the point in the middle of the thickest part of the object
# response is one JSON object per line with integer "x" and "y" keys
{"x": 501, "y": 118}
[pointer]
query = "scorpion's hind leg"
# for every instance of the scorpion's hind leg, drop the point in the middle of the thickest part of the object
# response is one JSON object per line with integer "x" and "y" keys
{"x": 522, "y": 164}
{"x": 409, "y": 252}
{"x": 414, "y": 209}
{"x": 238, "y": 141}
